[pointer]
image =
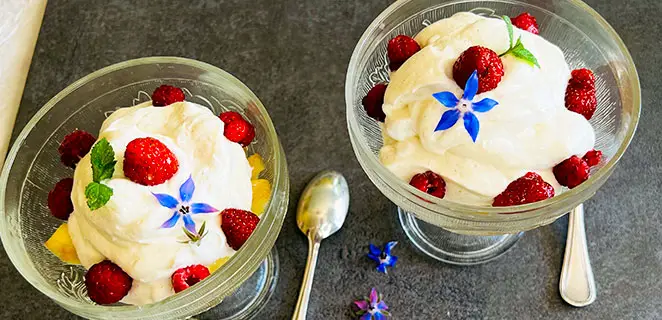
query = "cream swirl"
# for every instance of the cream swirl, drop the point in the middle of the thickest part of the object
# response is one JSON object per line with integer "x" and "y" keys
{"x": 127, "y": 230}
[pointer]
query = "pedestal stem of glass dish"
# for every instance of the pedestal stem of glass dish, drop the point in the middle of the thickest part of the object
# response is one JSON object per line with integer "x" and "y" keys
{"x": 577, "y": 286}
{"x": 452, "y": 247}
{"x": 251, "y": 297}
{"x": 304, "y": 295}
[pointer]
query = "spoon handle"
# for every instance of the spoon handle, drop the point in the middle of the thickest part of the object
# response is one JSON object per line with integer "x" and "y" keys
{"x": 577, "y": 286}
{"x": 304, "y": 294}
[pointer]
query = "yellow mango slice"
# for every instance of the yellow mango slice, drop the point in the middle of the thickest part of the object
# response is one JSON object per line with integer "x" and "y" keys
{"x": 261, "y": 194}
{"x": 257, "y": 164}
{"x": 61, "y": 246}
{"x": 218, "y": 264}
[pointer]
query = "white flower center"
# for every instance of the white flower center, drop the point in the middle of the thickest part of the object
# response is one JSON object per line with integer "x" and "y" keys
{"x": 464, "y": 106}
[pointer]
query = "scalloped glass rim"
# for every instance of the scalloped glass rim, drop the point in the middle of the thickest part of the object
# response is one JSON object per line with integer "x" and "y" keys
{"x": 467, "y": 212}
{"x": 222, "y": 282}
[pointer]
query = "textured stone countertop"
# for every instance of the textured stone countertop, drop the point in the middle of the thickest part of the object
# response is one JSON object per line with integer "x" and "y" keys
{"x": 294, "y": 54}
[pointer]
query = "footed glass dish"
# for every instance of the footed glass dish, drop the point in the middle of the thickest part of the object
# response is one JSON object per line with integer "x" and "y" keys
{"x": 241, "y": 286}
{"x": 470, "y": 234}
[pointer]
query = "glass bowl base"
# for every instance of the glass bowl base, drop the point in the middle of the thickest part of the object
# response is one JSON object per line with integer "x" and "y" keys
{"x": 249, "y": 299}
{"x": 454, "y": 248}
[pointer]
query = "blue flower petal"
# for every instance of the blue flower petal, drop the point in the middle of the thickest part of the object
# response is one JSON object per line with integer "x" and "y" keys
{"x": 389, "y": 246}
{"x": 379, "y": 316}
{"x": 172, "y": 221}
{"x": 186, "y": 190}
{"x": 472, "y": 125}
{"x": 202, "y": 208}
{"x": 381, "y": 268}
{"x": 189, "y": 224}
{"x": 166, "y": 200}
{"x": 448, "y": 119}
{"x": 446, "y": 98}
{"x": 374, "y": 257}
{"x": 374, "y": 250}
{"x": 484, "y": 105}
{"x": 471, "y": 87}
{"x": 366, "y": 316}
{"x": 391, "y": 262}
{"x": 381, "y": 306}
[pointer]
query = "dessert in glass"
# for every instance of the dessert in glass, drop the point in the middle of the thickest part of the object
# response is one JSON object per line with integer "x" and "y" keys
{"x": 153, "y": 188}
{"x": 480, "y": 123}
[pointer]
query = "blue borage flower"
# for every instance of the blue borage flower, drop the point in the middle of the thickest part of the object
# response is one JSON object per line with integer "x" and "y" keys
{"x": 384, "y": 258}
{"x": 372, "y": 307}
{"x": 464, "y": 107}
{"x": 183, "y": 207}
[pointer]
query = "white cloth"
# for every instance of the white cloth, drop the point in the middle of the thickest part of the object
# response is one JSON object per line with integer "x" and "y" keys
{"x": 20, "y": 21}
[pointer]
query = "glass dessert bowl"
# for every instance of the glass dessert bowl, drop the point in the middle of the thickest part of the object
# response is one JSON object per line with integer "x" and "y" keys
{"x": 466, "y": 233}
{"x": 242, "y": 283}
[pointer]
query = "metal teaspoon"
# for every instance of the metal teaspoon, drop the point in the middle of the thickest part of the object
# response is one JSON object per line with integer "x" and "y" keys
{"x": 321, "y": 212}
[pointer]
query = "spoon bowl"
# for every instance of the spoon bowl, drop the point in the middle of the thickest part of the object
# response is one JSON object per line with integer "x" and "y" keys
{"x": 323, "y": 205}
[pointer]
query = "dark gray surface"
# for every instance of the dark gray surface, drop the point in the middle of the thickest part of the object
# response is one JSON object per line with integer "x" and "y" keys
{"x": 294, "y": 54}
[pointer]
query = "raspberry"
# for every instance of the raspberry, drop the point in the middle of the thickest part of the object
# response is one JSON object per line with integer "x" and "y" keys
{"x": 75, "y": 146}
{"x": 582, "y": 101}
{"x": 527, "y": 22}
{"x": 582, "y": 79}
{"x": 592, "y": 157}
{"x": 149, "y": 162}
{"x": 166, "y": 95}
{"x": 373, "y": 102}
{"x": 240, "y": 131}
{"x": 107, "y": 283}
{"x": 580, "y": 93}
{"x": 400, "y": 49}
{"x": 184, "y": 278}
{"x": 237, "y": 129}
{"x": 230, "y": 116}
{"x": 430, "y": 183}
{"x": 526, "y": 189}
{"x": 571, "y": 172}
{"x": 59, "y": 199}
{"x": 250, "y": 135}
{"x": 238, "y": 225}
{"x": 485, "y": 61}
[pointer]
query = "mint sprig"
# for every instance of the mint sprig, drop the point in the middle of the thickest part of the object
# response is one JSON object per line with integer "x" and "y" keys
{"x": 518, "y": 50}
{"x": 103, "y": 166}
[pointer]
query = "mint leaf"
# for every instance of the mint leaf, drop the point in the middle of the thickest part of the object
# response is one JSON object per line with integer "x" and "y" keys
{"x": 523, "y": 54}
{"x": 97, "y": 195}
{"x": 518, "y": 49}
{"x": 103, "y": 166}
{"x": 509, "y": 25}
{"x": 526, "y": 56}
{"x": 103, "y": 161}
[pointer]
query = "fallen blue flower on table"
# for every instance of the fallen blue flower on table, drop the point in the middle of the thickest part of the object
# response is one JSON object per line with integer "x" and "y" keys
{"x": 384, "y": 258}
{"x": 372, "y": 308}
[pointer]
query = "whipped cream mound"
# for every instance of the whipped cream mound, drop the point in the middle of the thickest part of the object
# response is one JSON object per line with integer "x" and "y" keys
{"x": 529, "y": 130}
{"x": 127, "y": 230}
